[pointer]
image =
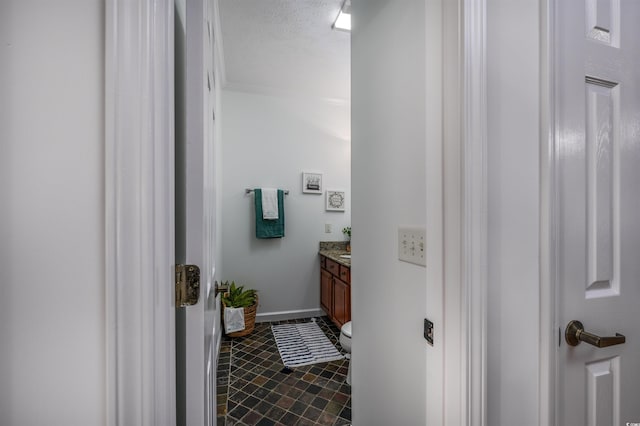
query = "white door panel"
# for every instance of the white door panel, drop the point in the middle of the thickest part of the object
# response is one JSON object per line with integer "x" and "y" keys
{"x": 598, "y": 195}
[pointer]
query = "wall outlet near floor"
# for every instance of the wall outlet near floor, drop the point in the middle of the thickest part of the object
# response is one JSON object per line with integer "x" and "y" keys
{"x": 328, "y": 228}
{"x": 412, "y": 245}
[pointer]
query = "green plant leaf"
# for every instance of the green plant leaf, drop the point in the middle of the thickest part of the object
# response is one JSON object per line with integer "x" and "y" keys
{"x": 238, "y": 297}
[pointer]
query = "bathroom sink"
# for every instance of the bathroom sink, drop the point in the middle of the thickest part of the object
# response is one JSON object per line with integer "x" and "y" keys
{"x": 345, "y": 256}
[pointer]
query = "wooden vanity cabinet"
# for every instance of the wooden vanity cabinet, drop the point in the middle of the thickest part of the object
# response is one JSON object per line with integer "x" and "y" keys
{"x": 335, "y": 290}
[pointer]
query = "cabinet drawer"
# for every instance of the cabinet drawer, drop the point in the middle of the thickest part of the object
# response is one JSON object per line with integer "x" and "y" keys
{"x": 333, "y": 267}
{"x": 345, "y": 274}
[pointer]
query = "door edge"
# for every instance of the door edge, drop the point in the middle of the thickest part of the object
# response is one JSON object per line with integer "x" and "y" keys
{"x": 547, "y": 382}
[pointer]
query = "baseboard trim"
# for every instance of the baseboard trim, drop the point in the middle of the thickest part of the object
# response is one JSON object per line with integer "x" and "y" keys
{"x": 289, "y": 315}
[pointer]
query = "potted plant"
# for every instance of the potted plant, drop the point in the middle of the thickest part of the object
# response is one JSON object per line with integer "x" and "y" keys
{"x": 239, "y": 297}
{"x": 347, "y": 233}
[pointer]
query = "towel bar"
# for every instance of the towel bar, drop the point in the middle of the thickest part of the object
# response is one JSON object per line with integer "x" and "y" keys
{"x": 249, "y": 191}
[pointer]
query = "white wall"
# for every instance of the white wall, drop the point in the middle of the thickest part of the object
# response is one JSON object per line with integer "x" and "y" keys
{"x": 389, "y": 173}
{"x": 52, "y": 314}
{"x": 513, "y": 143}
{"x": 268, "y": 141}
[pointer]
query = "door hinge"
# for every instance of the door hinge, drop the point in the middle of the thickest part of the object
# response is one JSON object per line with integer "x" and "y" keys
{"x": 187, "y": 285}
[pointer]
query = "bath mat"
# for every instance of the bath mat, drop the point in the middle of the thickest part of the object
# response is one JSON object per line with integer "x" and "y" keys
{"x": 303, "y": 344}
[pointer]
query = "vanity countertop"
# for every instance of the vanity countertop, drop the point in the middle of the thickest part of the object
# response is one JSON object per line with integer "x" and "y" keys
{"x": 334, "y": 250}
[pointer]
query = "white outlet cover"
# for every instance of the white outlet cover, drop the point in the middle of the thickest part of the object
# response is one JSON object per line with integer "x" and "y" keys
{"x": 412, "y": 245}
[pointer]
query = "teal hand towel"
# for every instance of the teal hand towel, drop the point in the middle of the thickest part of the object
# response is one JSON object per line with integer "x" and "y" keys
{"x": 269, "y": 228}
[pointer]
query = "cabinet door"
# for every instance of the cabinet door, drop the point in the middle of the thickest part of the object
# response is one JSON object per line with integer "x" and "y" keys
{"x": 341, "y": 301}
{"x": 345, "y": 274}
{"x": 326, "y": 287}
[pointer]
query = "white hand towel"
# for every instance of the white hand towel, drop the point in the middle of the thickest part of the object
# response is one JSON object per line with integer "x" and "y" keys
{"x": 269, "y": 204}
{"x": 233, "y": 319}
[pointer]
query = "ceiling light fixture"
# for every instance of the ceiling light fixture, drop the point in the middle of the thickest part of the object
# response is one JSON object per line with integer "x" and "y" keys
{"x": 343, "y": 21}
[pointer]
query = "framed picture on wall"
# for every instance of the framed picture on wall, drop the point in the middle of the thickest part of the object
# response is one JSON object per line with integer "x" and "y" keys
{"x": 311, "y": 183}
{"x": 335, "y": 200}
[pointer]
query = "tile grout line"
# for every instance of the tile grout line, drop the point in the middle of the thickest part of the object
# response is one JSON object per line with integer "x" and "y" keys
{"x": 249, "y": 359}
{"x": 226, "y": 402}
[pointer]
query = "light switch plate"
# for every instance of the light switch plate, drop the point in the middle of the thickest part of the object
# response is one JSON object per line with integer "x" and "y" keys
{"x": 412, "y": 245}
{"x": 328, "y": 228}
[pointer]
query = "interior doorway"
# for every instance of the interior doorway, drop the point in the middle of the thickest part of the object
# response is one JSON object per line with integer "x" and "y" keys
{"x": 285, "y": 113}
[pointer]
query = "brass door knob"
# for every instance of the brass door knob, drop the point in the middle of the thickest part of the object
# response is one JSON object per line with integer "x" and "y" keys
{"x": 574, "y": 334}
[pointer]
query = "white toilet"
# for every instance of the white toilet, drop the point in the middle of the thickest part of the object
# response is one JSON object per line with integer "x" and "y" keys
{"x": 345, "y": 342}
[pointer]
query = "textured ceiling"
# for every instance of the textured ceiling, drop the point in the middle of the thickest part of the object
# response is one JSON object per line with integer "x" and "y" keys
{"x": 285, "y": 47}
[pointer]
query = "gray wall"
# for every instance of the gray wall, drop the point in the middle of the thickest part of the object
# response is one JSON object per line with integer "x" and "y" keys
{"x": 52, "y": 255}
{"x": 268, "y": 141}
{"x": 389, "y": 184}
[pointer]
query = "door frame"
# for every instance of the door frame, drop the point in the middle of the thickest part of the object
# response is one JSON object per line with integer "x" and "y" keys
{"x": 473, "y": 192}
{"x": 474, "y": 201}
{"x": 465, "y": 201}
{"x": 139, "y": 213}
{"x": 547, "y": 383}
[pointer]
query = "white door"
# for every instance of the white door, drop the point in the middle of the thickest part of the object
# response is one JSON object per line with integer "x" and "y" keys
{"x": 598, "y": 208}
{"x": 197, "y": 326}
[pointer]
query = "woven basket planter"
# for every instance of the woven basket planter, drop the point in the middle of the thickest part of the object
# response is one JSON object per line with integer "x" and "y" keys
{"x": 249, "y": 320}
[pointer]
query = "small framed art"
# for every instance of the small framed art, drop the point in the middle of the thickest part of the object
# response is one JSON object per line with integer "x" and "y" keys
{"x": 335, "y": 200}
{"x": 311, "y": 183}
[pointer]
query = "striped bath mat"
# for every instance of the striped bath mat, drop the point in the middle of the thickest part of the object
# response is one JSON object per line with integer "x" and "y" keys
{"x": 303, "y": 344}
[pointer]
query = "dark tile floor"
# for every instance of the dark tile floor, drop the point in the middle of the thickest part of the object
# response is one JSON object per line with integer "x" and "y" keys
{"x": 253, "y": 389}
